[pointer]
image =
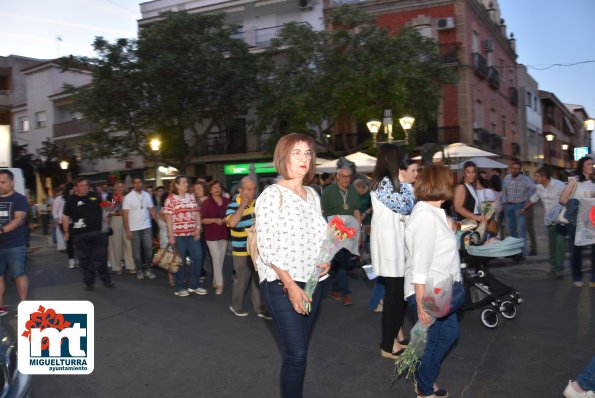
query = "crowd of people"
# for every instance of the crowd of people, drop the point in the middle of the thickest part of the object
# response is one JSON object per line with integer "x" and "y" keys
{"x": 406, "y": 221}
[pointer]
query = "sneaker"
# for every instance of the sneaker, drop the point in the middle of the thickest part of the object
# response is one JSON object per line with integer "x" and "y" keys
{"x": 578, "y": 284}
{"x": 237, "y": 313}
{"x": 3, "y": 311}
{"x": 140, "y": 275}
{"x": 71, "y": 263}
{"x": 109, "y": 284}
{"x": 149, "y": 274}
{"x": 182, "y": 293}
{"x": 347, "y": 300}
{"x": 335, "y": 295}
{"x": 571, "y": 392}
{"x": 199, "y": 290}
{"x": 219, "y": 290}
{"x": 264, "y": 316}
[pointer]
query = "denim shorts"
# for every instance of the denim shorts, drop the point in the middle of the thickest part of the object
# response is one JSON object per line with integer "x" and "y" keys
{"x": 14, "y": 259}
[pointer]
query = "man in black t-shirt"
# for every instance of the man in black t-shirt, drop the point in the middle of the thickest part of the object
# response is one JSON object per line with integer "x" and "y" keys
{"x": 90, "y": 244}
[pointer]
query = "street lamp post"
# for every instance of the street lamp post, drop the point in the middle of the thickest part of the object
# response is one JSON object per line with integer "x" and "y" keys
{"x": 374, "y": 127}
{"x": 407, "y": 122}
{"x": 155, "y": 144}
{"x": 388, "y": 124}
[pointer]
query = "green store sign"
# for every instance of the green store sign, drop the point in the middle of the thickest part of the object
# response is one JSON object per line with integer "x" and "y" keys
{"x": 244, "y": 168}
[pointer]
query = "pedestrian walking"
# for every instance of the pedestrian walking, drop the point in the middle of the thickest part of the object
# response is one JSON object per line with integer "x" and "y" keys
{"x": 582, "y": 186}
{"x": 13, "y": 243}
{"x": 119, "y": 247}
{"x": 516, "y": 191}
{"x": 342, "y": 199}
{"x": 290, "y": 230}
{"x": 137, "y": 212}
{"x": 90, "y": 243}
{"x": 548, "y": 190}
{"x": 240, "y": 217}
{"x": 183, "y": 229}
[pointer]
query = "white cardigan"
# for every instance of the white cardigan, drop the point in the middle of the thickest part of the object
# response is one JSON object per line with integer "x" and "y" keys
{"x": 387, "y": 240}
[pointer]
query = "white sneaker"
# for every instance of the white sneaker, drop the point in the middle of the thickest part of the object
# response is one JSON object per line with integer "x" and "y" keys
{"x": 140, "y": 275}
{"x": 182, "y": 293}
{"x": 149, "y": 274}
{"x": 237, "y": 313}
{"x": 570, "y": 392}
{"x": 71, "y": 263}
{"x": 199, "y": 290}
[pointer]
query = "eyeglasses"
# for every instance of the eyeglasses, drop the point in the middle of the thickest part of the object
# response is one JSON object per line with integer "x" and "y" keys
{"x": 344, "y": 175}
{"x": 297, "y": 154}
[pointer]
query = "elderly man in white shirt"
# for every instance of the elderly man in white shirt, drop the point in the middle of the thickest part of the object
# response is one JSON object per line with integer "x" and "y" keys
{"x": 548, "y": 191}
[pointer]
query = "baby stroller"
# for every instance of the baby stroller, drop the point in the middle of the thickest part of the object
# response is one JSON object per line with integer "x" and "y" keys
{"x": 482, "y": 289}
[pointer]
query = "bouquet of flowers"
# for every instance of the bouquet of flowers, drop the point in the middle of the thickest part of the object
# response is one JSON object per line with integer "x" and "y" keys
{"x": 488, "y": 208}
{"x": 337, "y": 235}
{"x": 106, "y": 209}
{"x": 436, "y": 302}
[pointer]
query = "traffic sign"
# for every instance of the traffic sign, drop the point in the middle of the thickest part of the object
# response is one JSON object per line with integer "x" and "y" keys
{"x": 580, "y": 152}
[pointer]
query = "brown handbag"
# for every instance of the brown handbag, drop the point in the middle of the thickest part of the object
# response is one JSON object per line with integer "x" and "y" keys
{"x": 168, "y": 258}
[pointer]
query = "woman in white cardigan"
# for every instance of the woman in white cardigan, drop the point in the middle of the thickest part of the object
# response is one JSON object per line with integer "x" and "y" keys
{"x": 432, "y": 252}
{"x": 392, "y": 201}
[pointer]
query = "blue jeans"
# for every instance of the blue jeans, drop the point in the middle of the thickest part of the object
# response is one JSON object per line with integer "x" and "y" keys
{"x": 142, "y": 239}
{"x": 294, "y": 330}
{"x": 443, "y": 333}
{"x": 14, "y": 259}
{"x": 586, "y": 380}
{"x": 187, "y": 246}
{"x": 341, "y": 262}
{"x": 516, "y": 223}
{"x": 377, "y": 293}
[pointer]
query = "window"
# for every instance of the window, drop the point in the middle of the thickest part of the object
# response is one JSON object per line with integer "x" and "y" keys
{"x": 479, "y": 114}
{"x": 23, "y": 125}
{"x": 41, "y": 119}
{"x": 475, "y": 43}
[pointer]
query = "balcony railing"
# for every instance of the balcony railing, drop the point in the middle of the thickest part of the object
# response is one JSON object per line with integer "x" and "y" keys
{"x": 493, "y": 77}
{"x": 261, "y": 38}
{"x": 76, "y": 126}
{"x": 480, "y": 65}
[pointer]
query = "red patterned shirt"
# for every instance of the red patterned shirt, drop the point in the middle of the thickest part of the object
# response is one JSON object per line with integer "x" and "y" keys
{"x": 182, "y": 211}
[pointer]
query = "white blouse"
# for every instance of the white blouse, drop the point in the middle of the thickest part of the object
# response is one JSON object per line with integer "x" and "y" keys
{"x": 290, "y": 231}
{"x": 431, "y": 247}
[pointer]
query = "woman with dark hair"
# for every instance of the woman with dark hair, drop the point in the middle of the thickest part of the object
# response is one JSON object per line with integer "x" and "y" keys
{"x": 432, "y": 251}
{"x": 466, "y": 202}
{"x": 182, "y": 217}
{"x": 392, "y": 201}
{"x": 57, "y": 212}
{"x": 216, "y": 234}
{"x": 581, "y": 186}
{"x": 290, "y": 230}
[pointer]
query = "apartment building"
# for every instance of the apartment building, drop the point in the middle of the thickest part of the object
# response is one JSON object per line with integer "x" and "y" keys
{"x": 530, "y": 121}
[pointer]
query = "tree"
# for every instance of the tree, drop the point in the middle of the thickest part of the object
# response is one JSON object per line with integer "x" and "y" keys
{"x": 354, "y": 69}
{"x": 184, "y": 77}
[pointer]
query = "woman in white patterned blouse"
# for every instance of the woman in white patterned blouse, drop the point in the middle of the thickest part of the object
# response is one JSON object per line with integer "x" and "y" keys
{"x": 290, "y": 231}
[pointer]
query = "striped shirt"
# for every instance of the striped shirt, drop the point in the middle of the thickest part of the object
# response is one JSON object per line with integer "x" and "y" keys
{"x": 239, "y": 234}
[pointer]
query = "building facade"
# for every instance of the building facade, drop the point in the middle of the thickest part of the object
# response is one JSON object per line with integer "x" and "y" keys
{"x": 530, "y": 121}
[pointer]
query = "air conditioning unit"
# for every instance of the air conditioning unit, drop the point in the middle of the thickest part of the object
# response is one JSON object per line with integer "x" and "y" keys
{"x": 445, "y": 23}
{"x": 488, "y": 45}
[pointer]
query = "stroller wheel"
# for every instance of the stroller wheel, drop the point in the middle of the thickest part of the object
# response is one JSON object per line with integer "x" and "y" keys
{"x": 490, "y": 318}
{"x": 509, "y": 310}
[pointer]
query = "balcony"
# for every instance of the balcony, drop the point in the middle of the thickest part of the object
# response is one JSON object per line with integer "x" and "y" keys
{"x": 494, "y": 77}
{"x": 4, "y": 98}
{"x": 261, "y": 38}
{"x": 480, "y": 65}
{"x": 72, "y": 127}
{"x": 449, "y": 53}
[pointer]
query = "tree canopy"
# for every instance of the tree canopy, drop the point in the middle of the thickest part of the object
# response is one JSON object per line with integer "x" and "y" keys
{"x": 185, "y": 76}
{"x": 354, "y": 69}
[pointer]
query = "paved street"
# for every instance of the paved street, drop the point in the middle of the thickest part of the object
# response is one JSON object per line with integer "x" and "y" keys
{"x": 150, "y": 343}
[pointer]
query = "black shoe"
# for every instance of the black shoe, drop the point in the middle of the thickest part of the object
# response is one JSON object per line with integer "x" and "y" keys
{"x": 518, "y": 258}
{"x": 533, "y": 252}
{"x": 109, "y": 284}
{"x": 556, "y": 274}
{"x": 89, "y": 287}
